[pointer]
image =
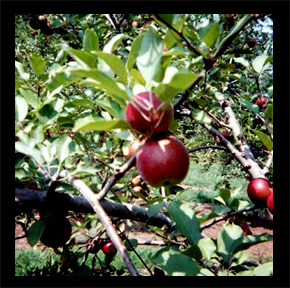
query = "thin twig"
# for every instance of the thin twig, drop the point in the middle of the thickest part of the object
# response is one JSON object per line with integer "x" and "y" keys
{"x": 208, "y": 147}
{"x": 225, "y": 216}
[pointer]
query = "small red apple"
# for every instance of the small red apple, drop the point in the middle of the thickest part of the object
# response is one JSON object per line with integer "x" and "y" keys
{"x": 135, "y": 23}
{"x": 252, "y": 42}
{"x": 225, "y": 134}
{"x": 163, "y": 161}
{"x": 136, "y": 181}
{"x": 150, "y": 122}
{"x": 33, "y": 33}
{"x": 262, "y": 102}
{"x": 270, "y": 201}
{"x": 258, "y": 191}
{"x": 133, "y": 147}
{"x": 42, "y": 19}
{"x": 109, "y": 248}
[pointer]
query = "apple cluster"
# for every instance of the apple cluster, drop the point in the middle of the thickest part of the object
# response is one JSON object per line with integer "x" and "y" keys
{"x": 260, "y": 192}
{"x": 163, "y": 160}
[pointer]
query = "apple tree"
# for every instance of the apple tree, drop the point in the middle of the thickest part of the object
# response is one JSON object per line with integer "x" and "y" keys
{"x": 88, "y": 86}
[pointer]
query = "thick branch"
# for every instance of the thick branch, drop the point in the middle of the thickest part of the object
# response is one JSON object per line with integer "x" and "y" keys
{"x": 26, "y": 198}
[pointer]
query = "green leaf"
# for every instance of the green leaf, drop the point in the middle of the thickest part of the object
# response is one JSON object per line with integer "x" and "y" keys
{"x": 137, "y": 75}
{"x": 259, "y": 63}
{"x": 34, "y": 153}
{"x": 21, "y": 108}
{"x": 115, "y": 64}
{"x": 48, "y": 112}
{"x": 212, "y": 34}
{"x": 235, "y": 29}
{"x": 37, "y": 133}
{"x": 266, "y": 140}
{"x": 103, "y": 82}
{"x": 265, "y": 269}
{"x": 154, "y": 209}
{"x": 149, "y": 57}
{"x": 200, "y": 116}
{"x": 269, "y": 113}
{"x": 99, "y": 124}
{"x": 179, "y": 82}
{"x": 61, "y": 146}
{"x": 84, "y": 169}
{"x": 252, "y": 240}
{"x": 30, "y": 96}
{"x": 111, "y": 106}
{"x": 135, "y": 48}
{"x": 20, "y": 68}
{"x": 113, "y": 43}
{"x": 85, "y": 59}
{"x": 78, "y": 103}
{"x": 228, "y": 240}
{"x": 207, "y": 248}
{"x": 35, "y": 231}
{"x": 185, "y": 220}
{"x": 167, "y": 17}
{"x": 175, "y": 263}
{"x": 90, "y": 41}
{"x": 38, "y": 64}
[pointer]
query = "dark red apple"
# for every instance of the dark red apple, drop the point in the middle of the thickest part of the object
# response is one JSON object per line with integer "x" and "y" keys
{"x": 270, "y": 201}
{"x": 262, "y": 102}
{"x": 57, "y": 231}
{"x": 225, "y": 134}
{"x": 163, "y": 161}
{"x": 258, "y": 191}
{"x": 252, "y": 42}
{"x": 109, "y": 248}
{"x": 150, "y": 122}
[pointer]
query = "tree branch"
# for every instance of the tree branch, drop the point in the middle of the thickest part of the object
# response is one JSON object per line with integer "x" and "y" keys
{"x": 96, "y": 205}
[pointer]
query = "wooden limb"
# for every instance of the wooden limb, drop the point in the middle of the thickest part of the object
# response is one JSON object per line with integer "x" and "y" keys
{"x": 96, "y": 205}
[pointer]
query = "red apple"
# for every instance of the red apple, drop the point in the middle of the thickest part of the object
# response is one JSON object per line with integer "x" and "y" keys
{"x": 133, "y": 147}
{"x": 258, "y": 191}
{"x": 225, "y": 134}
{"x": 262, "y": 102}
{"x": 57, "y": 231}
{"x": 33, "y": 33}
{"x": 109, "y": 248}
{"x": 163, "y": 161}
{"x": 136, "y": 181}
{"x": 270, "y": 201}
{"x": 150, "y": 121}
{"x": 42, "y": 19}
{"x": 135, "y": 23}
{"x": 252, "y": 42}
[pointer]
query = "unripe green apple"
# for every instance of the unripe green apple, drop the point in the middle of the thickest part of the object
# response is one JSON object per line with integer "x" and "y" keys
{"x": 258, "y": 191}
{"x": 163, "y": 161}
{"x": 152, "y": 123}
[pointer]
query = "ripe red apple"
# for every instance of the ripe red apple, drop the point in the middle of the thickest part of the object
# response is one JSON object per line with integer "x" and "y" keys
{"x": 33, "y": 33}
{"x": 135, "y": 23}
{"x": 42, "y": 19}
{"x": 258, "y": 191}
{"x": 57, "y": 231}
{"x": 109, "y": 248}
{"x": 133, "y": 147}
{"x": 252, "y": 42}
{"x": 150, "y": 121}
{"x": 138, "y": 189}
{"x": 136, "y": 181}
{"x": 225, "y": 134}
{"x": 163, "y": 161}
{"x": 262, "y": 102}
{"x": 270, "y": 201}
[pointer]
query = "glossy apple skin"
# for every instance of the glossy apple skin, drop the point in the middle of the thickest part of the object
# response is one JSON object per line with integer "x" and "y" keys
{"x": 262, "y": 102}
{"x": 109, "y": 248}
{"x": 270, "y": 201}
{"x": 139, "y": 123}
{"x": 258, "y": 191}
{"x": 163, "y": 161}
